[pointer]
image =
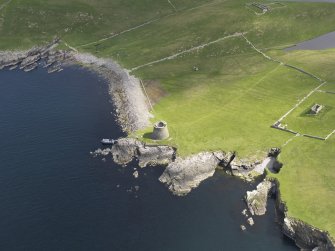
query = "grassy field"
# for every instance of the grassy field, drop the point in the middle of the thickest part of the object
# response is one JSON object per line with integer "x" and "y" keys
{"x": 300, "y": 120}
{"x": 235, "y": 95}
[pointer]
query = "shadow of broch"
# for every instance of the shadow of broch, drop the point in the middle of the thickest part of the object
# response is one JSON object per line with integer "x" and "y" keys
{"x": 147, "y": 135}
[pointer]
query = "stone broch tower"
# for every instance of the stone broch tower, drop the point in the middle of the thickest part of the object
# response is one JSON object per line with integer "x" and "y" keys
{"x": 160, "y": 131}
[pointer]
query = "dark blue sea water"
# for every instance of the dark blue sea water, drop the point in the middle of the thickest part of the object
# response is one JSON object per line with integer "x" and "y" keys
{"x": 55, "y": 196}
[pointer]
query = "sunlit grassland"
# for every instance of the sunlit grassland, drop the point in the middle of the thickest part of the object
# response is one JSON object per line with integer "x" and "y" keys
{"x": 234, "y": 97}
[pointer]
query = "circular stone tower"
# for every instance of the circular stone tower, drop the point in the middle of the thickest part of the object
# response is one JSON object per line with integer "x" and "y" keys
{"x": 160, "y": 131}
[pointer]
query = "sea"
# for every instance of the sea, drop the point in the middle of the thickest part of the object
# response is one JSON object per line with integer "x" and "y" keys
{"x": 55, "y": 196}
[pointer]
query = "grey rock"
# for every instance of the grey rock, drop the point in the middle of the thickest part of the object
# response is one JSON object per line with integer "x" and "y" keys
{"x": 127, "y": 149}
{"x": 243, "y": 228}
{"x": 257, "y": 199}
{"x": 102, "y": 152}
{"x": 250, "y": 221}
{"x": 155, "y": 155}
{"x": 186, "y": 173}
{"x": 306, "y": 236}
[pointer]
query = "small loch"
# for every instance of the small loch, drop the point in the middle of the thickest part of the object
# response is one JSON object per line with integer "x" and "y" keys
{"x": 323, "y": 42}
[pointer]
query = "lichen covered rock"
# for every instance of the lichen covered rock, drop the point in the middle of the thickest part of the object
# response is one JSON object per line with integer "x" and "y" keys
{"x": 257, "y": 199}
{"x": 186, "y": 173}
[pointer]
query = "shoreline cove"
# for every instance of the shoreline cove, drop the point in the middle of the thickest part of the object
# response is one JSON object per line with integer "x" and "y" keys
{"x": 181, "y": 174}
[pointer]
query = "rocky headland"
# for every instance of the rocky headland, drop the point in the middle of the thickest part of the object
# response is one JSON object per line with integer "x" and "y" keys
{"x": 181, "y": 175}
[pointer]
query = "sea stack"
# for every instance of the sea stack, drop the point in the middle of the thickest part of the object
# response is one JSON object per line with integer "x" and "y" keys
{"x": 160, "y": 131}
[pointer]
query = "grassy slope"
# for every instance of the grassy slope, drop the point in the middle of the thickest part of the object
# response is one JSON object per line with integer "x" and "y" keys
{"x": 231, "y": 101}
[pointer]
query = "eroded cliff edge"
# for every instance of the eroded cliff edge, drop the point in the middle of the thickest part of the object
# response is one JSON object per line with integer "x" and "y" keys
{"x": 304, "y": 235}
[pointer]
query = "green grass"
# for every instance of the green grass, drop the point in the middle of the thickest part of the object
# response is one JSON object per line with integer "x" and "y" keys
{"x": 318, "y": 125}
{"x": 307, "y": 181}
{"x": 230, "y": 103}
{"x": 224, "y": 104}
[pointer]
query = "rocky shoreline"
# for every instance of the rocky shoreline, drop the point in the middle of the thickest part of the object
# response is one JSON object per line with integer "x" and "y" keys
{"x": 125, "y": 90}
{"x": 132, "y": 108}
{"x": 29, "y": 60}
{"x": 181, "y": 174}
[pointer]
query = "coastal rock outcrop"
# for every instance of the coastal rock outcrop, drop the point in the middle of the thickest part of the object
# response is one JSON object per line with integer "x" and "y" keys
{"x": 186, "y": 173}
{"x": 127, "y": 149}
{"x": 181, "y": 174}
{"x": 257, "y": 199}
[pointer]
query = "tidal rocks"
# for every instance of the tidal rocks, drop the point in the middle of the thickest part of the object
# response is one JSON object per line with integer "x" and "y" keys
{"x": 250, "y": 221}
{"x": 257, "y": 199}
{"x": 30, "y": 59}
{"x": 245, "y": 213}
{"x": 186, "y": 173}
{"x": 102, "y": 152}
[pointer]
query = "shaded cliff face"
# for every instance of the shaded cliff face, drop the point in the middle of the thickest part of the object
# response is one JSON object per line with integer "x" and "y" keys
{"x": 257, "y": 199}
{"x": 304, "y": 235}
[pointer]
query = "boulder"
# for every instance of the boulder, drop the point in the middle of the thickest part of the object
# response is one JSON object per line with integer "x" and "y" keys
{"x": 250, "y": 221}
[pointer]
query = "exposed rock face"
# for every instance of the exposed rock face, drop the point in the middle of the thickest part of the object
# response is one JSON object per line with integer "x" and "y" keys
{"x": 181, "y": 174}
{"x": 155, "y": 155}
{"x": 126, "y": 149}
{"x": 305, "y": 236}
{"x": 184, "y": 174}
{"x": 257, "y": 199}
{"x": 247, "y": 169}
{"x": 126, "y": 92}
